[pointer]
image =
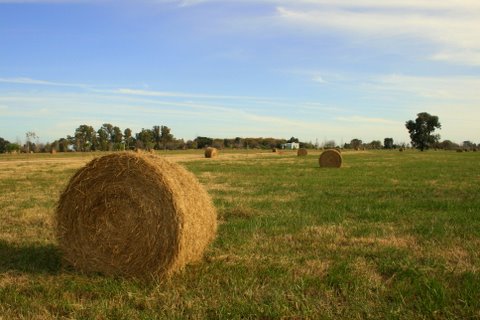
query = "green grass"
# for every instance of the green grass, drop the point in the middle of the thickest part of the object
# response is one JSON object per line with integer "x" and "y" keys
{"x": 389, "y": 236}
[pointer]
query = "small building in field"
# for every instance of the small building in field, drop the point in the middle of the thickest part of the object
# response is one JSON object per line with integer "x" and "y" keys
{"x": 291, "y": 145}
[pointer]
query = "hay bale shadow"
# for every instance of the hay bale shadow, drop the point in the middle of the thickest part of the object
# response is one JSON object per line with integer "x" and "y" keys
{"x": 29, "y": 258}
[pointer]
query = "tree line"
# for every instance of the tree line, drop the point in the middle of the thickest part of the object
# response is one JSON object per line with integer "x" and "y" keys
{"x": 111, "y": 138}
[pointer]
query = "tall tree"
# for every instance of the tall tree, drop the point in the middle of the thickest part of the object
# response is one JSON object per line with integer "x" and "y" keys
{"x": 30, "y": 135}
{"x": 388, "y": 143}
{"x": 157, "y": 136}
{"x": 103, "y": 139}
{"x": 165, "y": 136}
{"x": 3, "y": 145}
{"x": 117, "y": 138}
{"x": 127, "y": 136}
{"x": 355, "y": 144}
{"x": 85, "y": 138}
{"x": 203, "y": 142}
{"x": 145, "y": 139}
{"x": 421, "y": 130}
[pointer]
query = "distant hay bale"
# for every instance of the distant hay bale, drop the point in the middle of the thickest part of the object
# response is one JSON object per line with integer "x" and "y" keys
{"x": 134, "y": 215}
{"x": 53, "y": 151}
{"x": 330, "y": 158}
{"x": 274, "y": 150}
{"x": 211, "y": 152}
{"x": 302, "y": 152}
{"x": 401, "y": 149}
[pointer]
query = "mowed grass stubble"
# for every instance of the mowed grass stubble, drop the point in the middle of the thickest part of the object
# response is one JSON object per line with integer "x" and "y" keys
{"x": 389, "y": 235}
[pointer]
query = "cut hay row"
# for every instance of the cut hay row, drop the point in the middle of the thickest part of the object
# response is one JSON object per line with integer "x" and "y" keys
{"x": 134, "y": 215}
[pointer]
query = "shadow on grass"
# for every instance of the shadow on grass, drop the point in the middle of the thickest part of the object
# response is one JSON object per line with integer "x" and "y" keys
{"x": 29, "y": 258}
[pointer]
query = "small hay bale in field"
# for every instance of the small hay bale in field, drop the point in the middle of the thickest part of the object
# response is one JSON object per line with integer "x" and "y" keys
{"x": 134, "y": 215}
{"x": 53, "y": 151}
{"x": 274, "y": 150}
{"x": 330, "y": 158}
{"x": 302, "y": 152}
{"x": 211, "y": 152}
{"x": 401, "y": 149}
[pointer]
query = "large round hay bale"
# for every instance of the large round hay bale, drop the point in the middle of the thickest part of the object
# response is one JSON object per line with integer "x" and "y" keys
{"x": 330, "y": 158}
{"x": 302, "y": 152}
{"x": 211, "y": 152}
{"x": 134, "y": 215}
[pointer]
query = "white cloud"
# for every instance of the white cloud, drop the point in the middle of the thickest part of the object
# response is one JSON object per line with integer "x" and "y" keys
{"x": 454, "y": 31}
{"x": 319, "y": 79}
{"x": 148, "y": 93}
{"x": 30, "y": 81}
{"x": 440, "y": 89}
{"x": 361, "y": 119}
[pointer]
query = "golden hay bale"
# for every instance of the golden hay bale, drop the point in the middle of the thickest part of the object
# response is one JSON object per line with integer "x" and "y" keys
{"x": 211, "y": 152}
{"x": 330, "y": 158}
{"x": 302, "y": 152}
{"x": 53, "y": 151}
{"x": 135, "y": 215}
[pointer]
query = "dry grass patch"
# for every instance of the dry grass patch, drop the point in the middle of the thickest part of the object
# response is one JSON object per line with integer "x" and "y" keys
{"x": 311, "y": 268}
{"x": 367, "y": 270}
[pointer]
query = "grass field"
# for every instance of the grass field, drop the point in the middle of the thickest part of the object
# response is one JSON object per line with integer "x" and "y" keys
{"x": 390, "y": 235}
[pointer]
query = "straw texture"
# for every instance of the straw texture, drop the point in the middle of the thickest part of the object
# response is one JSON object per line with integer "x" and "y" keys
{"x": 302, "y": 152}
{"x": 134, "y": 215}
{"x": 211, "y": 152}
{"x": 330, "y": 158}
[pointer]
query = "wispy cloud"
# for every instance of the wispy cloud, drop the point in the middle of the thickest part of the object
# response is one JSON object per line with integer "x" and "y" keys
{"x": 453, "y": 31}
{"x": 30, "y": 81}
{"x": 148, "y": 93}
{"x": 361, "y": 119}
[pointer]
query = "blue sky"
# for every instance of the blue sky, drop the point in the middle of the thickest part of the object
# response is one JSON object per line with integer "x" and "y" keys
{"x": 313, "y": 69}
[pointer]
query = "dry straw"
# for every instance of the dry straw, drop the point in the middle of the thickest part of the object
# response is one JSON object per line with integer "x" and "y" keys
{"x": 211, "y": 152}
{"x": 330, "y": 158}
{"x": 302, "y": 152}
{"x": 134, "y": 215}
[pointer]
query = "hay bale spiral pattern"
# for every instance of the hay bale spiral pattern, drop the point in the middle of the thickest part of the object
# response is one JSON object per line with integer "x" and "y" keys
{"x": 134, "y": 215}
{"x": 211, "y": 152}
{"x": 302, "y": 152}
{"x": 330, "y": 159}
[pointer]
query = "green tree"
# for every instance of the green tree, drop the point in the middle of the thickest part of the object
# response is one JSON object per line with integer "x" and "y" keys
{"x": 117, "y": 138}
{"x": 355, "y": 144}
{"x": 13, "y": 147}
{"x": 165, "y": 136}
{"x": 375, "y": 144}
{"x": 157, "y": 136}
{"x": 85, "y": 138}
{"x": 29, "y": 145}
{"x": 203, "y": 142}
{"x": 388, "y": 143}
{"x": 103, "y": 139}
{"x": 421, "y": 130}
{"x": 145, "y": 139}
{"x": 127, "y": 137}
{"x": 3, "y": 145}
